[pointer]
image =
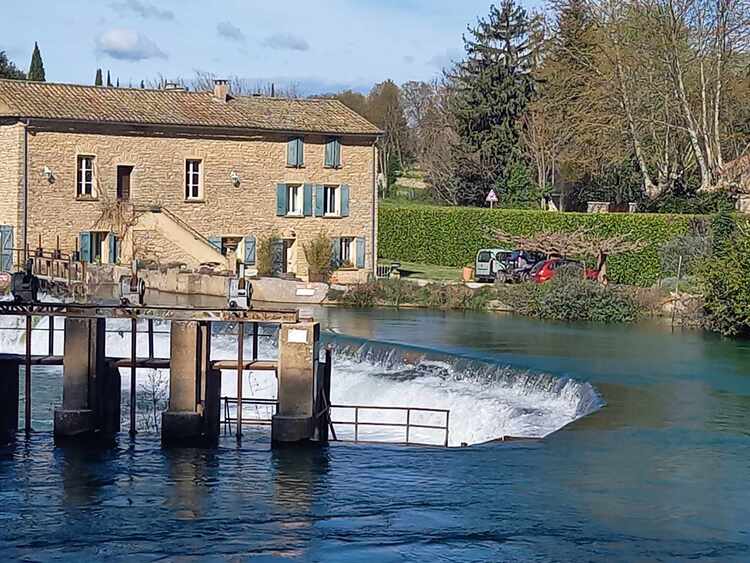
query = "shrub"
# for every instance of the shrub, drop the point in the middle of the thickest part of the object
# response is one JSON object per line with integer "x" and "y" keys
{"x": 726, "y": 287}
{"x": 265, "y": 254}
{"x": 319, "y": 255}
{"x": 694, "y": 249}
{"x": 451, "y": 236}
{"x": 572, "y": 298}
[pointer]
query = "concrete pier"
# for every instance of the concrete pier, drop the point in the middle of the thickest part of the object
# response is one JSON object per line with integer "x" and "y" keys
{"x": 9, "y": 387}
{"x": 192, "y": 417}
{"x": 298, "y": 362}
{"x": 91, "y": 384}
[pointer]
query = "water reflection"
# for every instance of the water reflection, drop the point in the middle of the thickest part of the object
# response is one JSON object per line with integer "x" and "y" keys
{"x": 192, "y": 474}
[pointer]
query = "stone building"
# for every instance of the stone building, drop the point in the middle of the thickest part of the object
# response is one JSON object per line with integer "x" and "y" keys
{"x": 185, "y": 177}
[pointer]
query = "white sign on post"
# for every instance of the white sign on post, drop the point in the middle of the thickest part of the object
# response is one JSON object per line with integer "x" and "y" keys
{"x": 491, "y": 198}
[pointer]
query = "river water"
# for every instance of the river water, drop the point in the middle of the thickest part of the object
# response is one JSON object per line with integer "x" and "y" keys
{"x": 645, "y": 456}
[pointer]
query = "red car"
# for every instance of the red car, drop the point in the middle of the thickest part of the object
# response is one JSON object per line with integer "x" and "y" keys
{"x": 546, "y": 270}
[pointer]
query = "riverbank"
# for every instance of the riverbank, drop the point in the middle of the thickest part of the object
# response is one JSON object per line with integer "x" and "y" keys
{"x": 563, "y": 299}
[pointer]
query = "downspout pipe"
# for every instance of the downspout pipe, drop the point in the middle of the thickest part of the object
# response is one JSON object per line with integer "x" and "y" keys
{"x": 25, "y": 232}
{"x": 374, "y": 211}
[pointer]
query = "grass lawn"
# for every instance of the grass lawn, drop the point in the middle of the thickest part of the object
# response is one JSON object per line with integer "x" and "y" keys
{"x": 410, "y": 270}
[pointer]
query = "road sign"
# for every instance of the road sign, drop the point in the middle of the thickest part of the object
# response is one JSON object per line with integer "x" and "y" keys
{"x": 491, "y": 198}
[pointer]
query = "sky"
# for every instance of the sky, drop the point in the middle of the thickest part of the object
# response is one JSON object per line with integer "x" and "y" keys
{"x": 319, "y": 46}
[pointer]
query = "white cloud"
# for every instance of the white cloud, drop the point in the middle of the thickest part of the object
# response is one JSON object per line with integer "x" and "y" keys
{"x": 143, "y": 9}
{"x": 230, "y": 31}
{"x": 286, "y": 41}
{"x": 128, "y": 45}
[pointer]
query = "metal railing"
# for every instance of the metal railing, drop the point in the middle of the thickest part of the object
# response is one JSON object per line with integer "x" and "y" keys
{"x": 228, "y": 419}
{"x": 385, "y": 270}
{"x": 407, "y": 424}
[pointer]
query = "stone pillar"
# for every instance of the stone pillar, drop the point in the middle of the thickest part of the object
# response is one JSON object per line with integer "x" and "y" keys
{"x": 8, "y": 401}
{"x": 91, "y": 386}
{"x": 298, "y": 363}
{"x": 192, "y": 418}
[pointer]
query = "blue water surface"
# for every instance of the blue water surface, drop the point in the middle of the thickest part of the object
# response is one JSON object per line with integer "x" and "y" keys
{"x": 659, "y": 474}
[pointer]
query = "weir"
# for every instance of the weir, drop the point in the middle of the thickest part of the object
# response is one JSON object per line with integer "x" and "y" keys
{"x": 91, "y": 379}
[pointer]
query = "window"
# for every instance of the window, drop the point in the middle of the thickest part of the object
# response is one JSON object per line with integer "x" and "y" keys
{"x": 295, "y": 152}
{"x": 333, "y": 153}
{"x": 85, "y": 182}
{"x": 193, "y": 179}
{"x": 345, "y": 252}
{"x": 294, "y": 200}
{"x": 330, "y": 200}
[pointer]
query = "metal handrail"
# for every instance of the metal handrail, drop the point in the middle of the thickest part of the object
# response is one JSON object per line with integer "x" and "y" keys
{"x": 228, "y": 419}
{"x": 408, "y": 425}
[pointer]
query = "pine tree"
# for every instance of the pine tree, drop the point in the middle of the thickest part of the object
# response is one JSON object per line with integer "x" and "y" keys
{"x": 98, "y": 80}
{"x": 36, "y": 69}
{"x": 109, "y": 81}
{"x": 492, "y": 88}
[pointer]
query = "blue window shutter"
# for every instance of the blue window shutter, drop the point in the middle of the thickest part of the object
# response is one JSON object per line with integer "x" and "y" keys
{"x": 6, "y": 248}
{"x": 300, "y": 151}
{"x": 360, "y": 258}
{"x": 319, "y": 195}
{"x": 291, "y": 152}
{"x": 84, "y": 243}
{"x": 307, "y": 191}
{"x": 215, "y": 242}
{"x": 280, "y": 199}
{"x": 336, "y": 153}
{"x": 250, "y": 250}
{"x": 336, "y": 252}
{"x": 112, "y": 242}
{"x": 330, "y": 163}
{"x": 345, "y": 200}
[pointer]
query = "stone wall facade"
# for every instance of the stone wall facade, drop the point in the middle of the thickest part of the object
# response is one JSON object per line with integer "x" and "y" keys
{"x": 11, "y": 175}
{"x": 226, "y": 209}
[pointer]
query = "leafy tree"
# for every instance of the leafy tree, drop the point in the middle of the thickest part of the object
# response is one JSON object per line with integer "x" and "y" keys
{"x": 36, "y": 68}
{"x": 353, "y": 100}
{"x": 98, "y": 80}
{"x": 384, "y": 109}
{"x": 493, "y": 87}
{"x": 8, "y": 69}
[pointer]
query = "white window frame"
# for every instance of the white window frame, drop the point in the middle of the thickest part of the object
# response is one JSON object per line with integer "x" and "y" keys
{"x": 347, "y": 250}
{"x": 294, "y": 200}
{"x": 334, "y": 198}
{"x": 193, "y": 179}
{"x": 84, "y": 189}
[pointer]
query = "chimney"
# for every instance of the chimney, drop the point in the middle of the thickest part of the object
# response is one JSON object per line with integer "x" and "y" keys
{"x": 221, "y": 90}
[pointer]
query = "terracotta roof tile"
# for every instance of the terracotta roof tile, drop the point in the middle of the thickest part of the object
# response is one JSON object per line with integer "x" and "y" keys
{"x": 176, "y": 107}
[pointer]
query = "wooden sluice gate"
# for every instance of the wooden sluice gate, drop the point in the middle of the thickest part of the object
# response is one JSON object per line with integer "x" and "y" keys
{"x": 92, "y": 380}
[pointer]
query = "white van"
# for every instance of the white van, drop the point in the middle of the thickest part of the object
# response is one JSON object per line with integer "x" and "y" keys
{"x": 488, "y": 262}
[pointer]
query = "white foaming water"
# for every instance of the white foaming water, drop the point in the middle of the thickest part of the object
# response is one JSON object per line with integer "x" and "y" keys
{"x": 486, "y": 401}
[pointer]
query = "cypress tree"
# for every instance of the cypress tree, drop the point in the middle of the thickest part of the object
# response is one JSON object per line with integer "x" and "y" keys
{"x": 492, "y": 88}
{"x": 98, "y": 80}
{"x": 109, "y": 81}
{"x": 117, "y": 85}
{"x": 143, "y": 85}
{"x": 36, "y": 69}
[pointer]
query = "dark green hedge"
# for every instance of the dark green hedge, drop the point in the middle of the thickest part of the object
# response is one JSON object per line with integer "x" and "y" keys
{"x": 451, "y": 236}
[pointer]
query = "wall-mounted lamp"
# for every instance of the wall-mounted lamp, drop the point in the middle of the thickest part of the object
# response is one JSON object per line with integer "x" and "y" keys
{"x": 235, "y": 178}
{"x": 47, "y": 173}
